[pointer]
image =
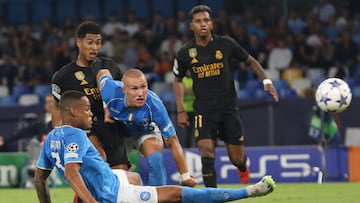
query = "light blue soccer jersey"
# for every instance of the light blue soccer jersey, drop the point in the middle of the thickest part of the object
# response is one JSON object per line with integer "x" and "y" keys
{"x": 136, "y": 120}
{"x": 66, "y": 144}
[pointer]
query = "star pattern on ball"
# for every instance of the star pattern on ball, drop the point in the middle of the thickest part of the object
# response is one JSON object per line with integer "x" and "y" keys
{"x": 342, "y": 101}
{"x": 334, "y": 83}
{"x": 324, "y": 99}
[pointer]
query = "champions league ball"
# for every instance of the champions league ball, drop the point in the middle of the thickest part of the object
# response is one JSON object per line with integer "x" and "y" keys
{"x": 333, "y": 95}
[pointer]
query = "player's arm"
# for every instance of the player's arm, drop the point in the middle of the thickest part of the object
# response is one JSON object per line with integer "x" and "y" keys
{"x": 107, "y": 116}
{"x": 259, "y": 71}
{"x": 178, "y": 87}
{"x": 101, "y": 73}
{"x": 41, "y": 185}
{"x": 182, "y": 117}
{"x": 76, "y": 182}
{"x": 55, "y": 115}
{"x": 178, "y": 153}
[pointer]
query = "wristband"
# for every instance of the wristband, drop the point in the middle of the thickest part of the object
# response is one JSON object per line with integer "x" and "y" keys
{"x": 104, "y": 105}
{"x": 185, "y": 176}
{"x": 267, "y": 82}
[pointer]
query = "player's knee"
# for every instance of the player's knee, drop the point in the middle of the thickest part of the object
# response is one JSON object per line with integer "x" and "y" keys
{"x": 134, "y": 178}
{"x": 206, "y": 150}
{"x": 151, "y": 144}
{"x": 169, "y": 194}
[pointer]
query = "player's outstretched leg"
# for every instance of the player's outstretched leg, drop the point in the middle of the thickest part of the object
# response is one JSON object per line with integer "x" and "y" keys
{"x": 265, "y": 186}
{"x": 219, "y": 195}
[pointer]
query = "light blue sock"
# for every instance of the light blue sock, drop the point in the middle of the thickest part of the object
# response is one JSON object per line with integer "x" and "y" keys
{"x": 212, "y": 195}
{"x": 157, "y": 171}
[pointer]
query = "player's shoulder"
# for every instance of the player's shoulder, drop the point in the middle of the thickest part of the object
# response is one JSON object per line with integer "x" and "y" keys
{"x": 107, "y": 62}
{"x": 153, "y": 98}
{"x": 186, "y": 46}
{"x": 111, "y": 65}
{"x": 64, "y": 71}
{"x": 73, "y": 131}
{"x": 104, "y": 59}
{"x": 223, "y": 39}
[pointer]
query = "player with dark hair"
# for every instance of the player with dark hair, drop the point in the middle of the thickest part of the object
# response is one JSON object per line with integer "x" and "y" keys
{"x": 208, "y": 57}
{"x": 81, "y": 75}
{"x": 68, "y": 149}
{"x": 145, "y": 122}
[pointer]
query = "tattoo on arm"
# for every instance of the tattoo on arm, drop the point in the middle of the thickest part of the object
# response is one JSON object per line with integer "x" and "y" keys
{"x": 41, "y": 185}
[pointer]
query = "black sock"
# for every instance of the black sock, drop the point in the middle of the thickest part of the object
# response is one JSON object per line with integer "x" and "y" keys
{"x": 208, "y": 172}
{"x": 242, "y": 166}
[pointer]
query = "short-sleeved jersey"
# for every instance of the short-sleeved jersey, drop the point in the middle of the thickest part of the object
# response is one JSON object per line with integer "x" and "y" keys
{"x": 136, "y": 121}
{"x": 83, "y": 79}
{"x": 67, "y": 144}
{"x": 211, "y": 70}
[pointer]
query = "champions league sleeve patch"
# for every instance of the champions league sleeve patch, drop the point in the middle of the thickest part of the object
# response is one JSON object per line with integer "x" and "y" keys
{"x": 56, "y": 90}
{"x": 176, "y": 67}
{"x": 71, "y": 151}
{"x": 145, "y": 196}
{"x": 72, "y": 148}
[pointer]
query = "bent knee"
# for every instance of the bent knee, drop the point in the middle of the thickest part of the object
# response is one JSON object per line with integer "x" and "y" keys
{"x": 207, "y": 149}
{"x": 134, "y": 178}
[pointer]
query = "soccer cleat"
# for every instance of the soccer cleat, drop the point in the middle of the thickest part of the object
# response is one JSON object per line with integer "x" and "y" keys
{"x": 265, "y": 186}
{"x": 244, "y": 176}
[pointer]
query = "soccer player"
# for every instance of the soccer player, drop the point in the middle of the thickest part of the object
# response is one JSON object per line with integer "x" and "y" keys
{"x": 81, "y": 75}
{"x": 145, "y": 121}
{"x": 68, "y": 149}
{"x": 208, "y": 58}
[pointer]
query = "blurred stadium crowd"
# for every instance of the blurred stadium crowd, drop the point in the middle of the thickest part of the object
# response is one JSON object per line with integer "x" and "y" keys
{"x": 298, "y": 46}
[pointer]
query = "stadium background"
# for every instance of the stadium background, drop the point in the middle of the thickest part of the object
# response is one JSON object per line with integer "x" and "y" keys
{"x": 274, "y": 130}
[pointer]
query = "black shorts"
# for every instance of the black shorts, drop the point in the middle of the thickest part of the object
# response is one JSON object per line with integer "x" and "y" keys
{"x": 113, "y": 144}
{"x": 226, "y": 126}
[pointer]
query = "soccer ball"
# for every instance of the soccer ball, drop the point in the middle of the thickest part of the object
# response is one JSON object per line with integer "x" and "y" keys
{"x": 333, "y": 95}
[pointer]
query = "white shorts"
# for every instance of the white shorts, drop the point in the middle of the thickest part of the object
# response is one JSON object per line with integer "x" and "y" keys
{"x": 129, "y": 193}
{"x": 136, "y": 141}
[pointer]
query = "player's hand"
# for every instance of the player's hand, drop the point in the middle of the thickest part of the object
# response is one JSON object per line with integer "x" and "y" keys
{"x": 107, "y": 117}
{"x": 183, "y": 119}
{"x": 271, "y": 89}
{"x": 191, "y": 182}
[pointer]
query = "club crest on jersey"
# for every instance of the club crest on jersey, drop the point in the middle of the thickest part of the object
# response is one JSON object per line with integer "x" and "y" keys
{"x": 145, "y": 196}
{"x": 193, "y": 54}
{"x": 79, "y": 75}
{"x": 218, "y": 55}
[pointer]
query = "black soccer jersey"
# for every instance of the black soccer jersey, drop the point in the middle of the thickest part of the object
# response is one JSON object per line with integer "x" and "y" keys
{"x": 212, "y": 74}
{"x": 83, "y": 79}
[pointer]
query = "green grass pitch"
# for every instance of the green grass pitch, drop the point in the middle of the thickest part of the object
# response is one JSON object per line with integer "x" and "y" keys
{"x": 284, "y": 193}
